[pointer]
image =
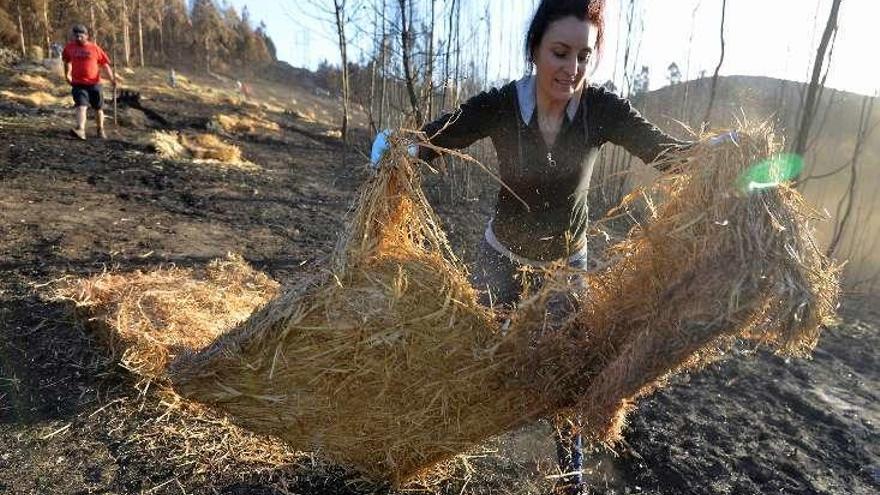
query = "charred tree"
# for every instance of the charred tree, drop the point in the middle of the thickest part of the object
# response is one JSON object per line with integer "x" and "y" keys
{"x": 140, "y": 35}
{"x": 845, "y": 206}
{"x": 406, "y": 53}
{"x": 21, "y": 30}
{"x": 339, "y": 12}
{"x": 714, "y": 88}
{"x": 810, "y": 103}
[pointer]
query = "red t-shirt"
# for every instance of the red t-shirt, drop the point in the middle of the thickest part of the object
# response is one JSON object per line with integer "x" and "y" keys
{"x": 86, "y": 61}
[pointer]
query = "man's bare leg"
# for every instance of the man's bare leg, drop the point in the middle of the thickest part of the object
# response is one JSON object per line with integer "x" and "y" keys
{"x": 80, "y": 130}
{"x": 99, "y": 120}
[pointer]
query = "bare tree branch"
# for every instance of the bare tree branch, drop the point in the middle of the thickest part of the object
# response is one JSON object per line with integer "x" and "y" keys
{"x": 849, "y": 196}
{"x": 718, "y": 67}
{"x": 406, "y": 43}
{"x": 810, "y": 104}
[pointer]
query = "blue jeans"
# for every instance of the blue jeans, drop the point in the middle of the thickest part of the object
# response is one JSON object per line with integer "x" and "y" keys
{"x": 500, "y": 283}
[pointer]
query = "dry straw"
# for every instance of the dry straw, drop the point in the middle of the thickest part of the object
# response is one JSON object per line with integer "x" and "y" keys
{"x": 255, "y": 124}
{"x": 389, "y": 364}
{"x": 210, "y": 147}
{"x": 145, "y": 318}
{"x": 713, "y": 263}
{"x": 34, "y": 98}
{"x": 206, "y": 148}
{"x": 383, "y": 363}
{"x": 33, "y": 81}
{"x": 168, "y": 145}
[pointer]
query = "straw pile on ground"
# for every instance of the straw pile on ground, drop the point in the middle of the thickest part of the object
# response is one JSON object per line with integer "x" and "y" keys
{"x": 146, "y": 318}
{"x": 168, "y": 145}
{"x": 389, "y": 364}
{"x": 35, "y": 54}
{"x": 199, "y": 147}
{"x": 32, "y": 81}
{"x": 244, "y": 124}
{"x": 210, "y": 147}
{"x": 34, "y": 99}
{"x": 8, "y": 57}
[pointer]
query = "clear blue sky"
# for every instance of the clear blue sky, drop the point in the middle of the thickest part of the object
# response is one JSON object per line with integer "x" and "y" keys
{"x": 775, "y": 38}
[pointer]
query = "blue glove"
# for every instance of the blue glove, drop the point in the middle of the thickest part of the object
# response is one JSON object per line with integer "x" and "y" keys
{"x": 729, "y": 136}
{"x": 381, "y": 145}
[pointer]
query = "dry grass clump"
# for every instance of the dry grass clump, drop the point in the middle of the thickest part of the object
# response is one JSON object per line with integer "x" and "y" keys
{"x": 210, "y": 147}
{"x": 168, "y": 145}
{"x": 32, "y": 81}
{"x": 245, "y": 124}
{"x": 388, "y": 363}
{"x": 712, "y": 264}
{"x": 9, "y": 58}
{"x": 206, "y": 148}
{"x": 34, "y": 99}
{"x": 272, "y": 107}
{"x": 35, "y": 53}
{"x": 304, "y": 115}
{"x": 146, "y": 318}
{"x": 203, "y": 93}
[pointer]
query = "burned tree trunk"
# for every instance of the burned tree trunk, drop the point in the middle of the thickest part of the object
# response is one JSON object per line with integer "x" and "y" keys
{"x": 714, "y": 89}
{"x": 428, "y": 93}
{"x": 845, "y": 206}
{"x": 810, "y": 104}
{"x": 339, "y": 11}
{"x": 140, "y": 35}
{"x": 126, "y": 43}
{"x": 46, "y": 27}
{"x": 406, "y": 48}
{"x": 21, "y": 32}
{"x": 93, "y": 28}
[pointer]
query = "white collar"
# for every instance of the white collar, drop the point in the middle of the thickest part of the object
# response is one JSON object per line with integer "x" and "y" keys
{"x": 525, "y": 93}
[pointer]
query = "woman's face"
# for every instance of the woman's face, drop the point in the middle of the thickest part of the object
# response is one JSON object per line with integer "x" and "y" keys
{"x": 562, "y": 58}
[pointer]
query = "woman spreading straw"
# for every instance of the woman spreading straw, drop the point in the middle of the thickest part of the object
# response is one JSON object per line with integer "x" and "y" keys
{"x": 547, "y": 129}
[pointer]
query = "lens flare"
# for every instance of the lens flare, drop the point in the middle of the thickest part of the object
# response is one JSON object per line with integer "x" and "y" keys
{"x": 771, "y": 172}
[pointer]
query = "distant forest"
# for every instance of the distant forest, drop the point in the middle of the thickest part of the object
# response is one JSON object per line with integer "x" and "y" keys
{"x": 200, "y": 35}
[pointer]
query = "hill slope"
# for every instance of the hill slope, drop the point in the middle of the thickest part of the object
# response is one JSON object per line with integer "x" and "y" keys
{"x": 831, "y": 147}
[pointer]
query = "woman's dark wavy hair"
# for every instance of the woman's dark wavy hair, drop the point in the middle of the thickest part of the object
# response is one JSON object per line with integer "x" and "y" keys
{"x": 550, "y": 11}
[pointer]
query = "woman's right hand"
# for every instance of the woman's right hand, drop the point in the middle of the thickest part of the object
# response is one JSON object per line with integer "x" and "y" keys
{"x": 380, "y": 146}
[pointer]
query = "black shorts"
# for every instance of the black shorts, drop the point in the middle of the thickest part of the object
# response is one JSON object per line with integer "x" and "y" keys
{"x": 88, "y": 95}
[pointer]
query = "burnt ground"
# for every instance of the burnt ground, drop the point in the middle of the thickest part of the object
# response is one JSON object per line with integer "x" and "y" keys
{"x": 71, "y": 421}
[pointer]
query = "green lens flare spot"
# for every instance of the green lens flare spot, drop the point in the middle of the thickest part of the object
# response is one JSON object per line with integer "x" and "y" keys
{"x": 770, "y": 173}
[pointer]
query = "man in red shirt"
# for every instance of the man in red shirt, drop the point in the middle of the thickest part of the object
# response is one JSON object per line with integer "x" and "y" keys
{"x": 83, "y": 61}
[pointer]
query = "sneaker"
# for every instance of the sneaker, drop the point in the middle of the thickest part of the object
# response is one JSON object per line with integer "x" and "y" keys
{"x": 79, "y": 134}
